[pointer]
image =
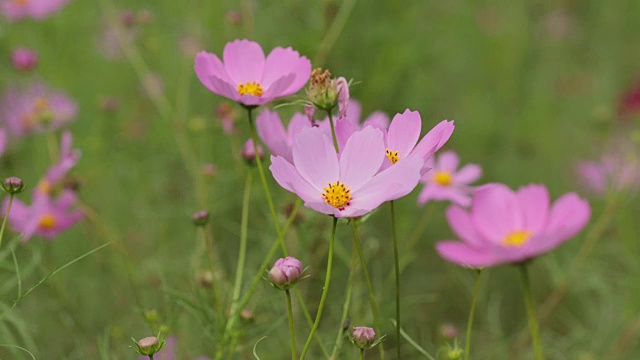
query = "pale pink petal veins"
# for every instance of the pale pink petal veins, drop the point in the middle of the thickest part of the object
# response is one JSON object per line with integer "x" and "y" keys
{"x": 223, "y": 88}
{"x": 465, "y": 255}
{"x": 244, "y": 61}
{"x": 315, "y": 158}
{"x": 361, "y": 158}
{"x": 404, "y": 132}
{"x": 534, "y": 202}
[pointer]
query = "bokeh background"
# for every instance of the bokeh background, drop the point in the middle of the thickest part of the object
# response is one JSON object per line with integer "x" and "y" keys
{"x": 533, "y": 86}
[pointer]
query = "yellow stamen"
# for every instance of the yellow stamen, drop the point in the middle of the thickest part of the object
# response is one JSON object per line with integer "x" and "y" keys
{"x": 337, "y": 195}
{"x": 47, "y": 222}
{"x": 517, "y": 238}
{"x": 393, "y": 156}
{"x": 251, "y": 88}
{"x": 443, "y": 178}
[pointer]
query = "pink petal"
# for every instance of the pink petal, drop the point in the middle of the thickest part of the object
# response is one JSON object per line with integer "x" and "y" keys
{"x": 465, "y": 255}
{"x": 448, "y": 161}
{"x": 207, "y": 65}
{"x": 315, "y": 158}
{"x": 361, "y": 158}
{"x": 282, "y": 62}
{"x": 298, "y": 123}
{"x": 404, "y": 132}
{"x": 467, "y": 174}
{"x": 496, "y": 212}
{"x": 223, "y": 88}
{"x": 244, "y": 61}
{"x": 288, "y": 177}
{"x": 435, "y": 139}
{"x": 272, "y": 133}
{"x": 344, "y": 129}
{"x": 279, "y": 87}
{"x": 354, "y": 111}
{"x": 462, "y": 225}
{"x": 378, "y": 120}
{"x": 534, "y": 202}
{"x": 569, "y": 215}
{"x": 593, "y": 175}
{"x": 427, "y": 193}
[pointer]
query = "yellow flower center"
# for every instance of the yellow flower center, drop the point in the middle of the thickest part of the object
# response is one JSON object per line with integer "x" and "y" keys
{"x": 41, "y": 104}
{"x": 517, "y": 238}
{"x": 44, "y": 186}
{"x": 251, "y": 88}
{"x": 337, "y": 195}
{"x": 443, "y": 178}
{"x": 47, "y": 222}
{"x": 393, "y": 156}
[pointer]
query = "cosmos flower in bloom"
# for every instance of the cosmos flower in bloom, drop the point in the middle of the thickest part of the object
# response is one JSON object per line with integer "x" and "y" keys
{"x": 617, "y": 171}
{"x": 506, "y": 226}
{"x": 249, "y": 78}
{"x": 273, "y": 134}
{"x": 445, "y": 182}
{"x": 35, "y": 9}
{"x": 68, "y": 159}
{"x": 46, "y": 217}
{"x": 35, "y": 109}
{"x": 345, "y": 185}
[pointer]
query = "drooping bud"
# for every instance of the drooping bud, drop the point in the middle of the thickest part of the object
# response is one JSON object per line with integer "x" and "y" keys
{"x": 24, "y": 59}
{"x": 201, "y": 218}
{"x": 13, "y": 185}
{"x": 249, "y": 153}
{"x": 363, "y": 337}
{"x": 285, "y": 272}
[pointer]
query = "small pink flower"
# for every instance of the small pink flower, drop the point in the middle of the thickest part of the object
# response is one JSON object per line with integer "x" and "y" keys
{"x": 364, "y": 337}
{"x": 69, "y": 157}
{"x": 505, "y": 226}
{"x": 35, "y": 109}
{"x": 24, "y": 59}
{"x": 46, "y": 217}
{"x": 273, "y": 134}
{"x": 445, "y": 182}
{"x": 249, "y": 78}
{"x": 35, "y": 9}
{"x": 348, "y": 185}
{"x": 285, "y": 272}
{"x": 617, "y": 172}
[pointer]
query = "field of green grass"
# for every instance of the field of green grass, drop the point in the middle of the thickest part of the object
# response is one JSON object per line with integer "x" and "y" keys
{"x": 533, "y": 87}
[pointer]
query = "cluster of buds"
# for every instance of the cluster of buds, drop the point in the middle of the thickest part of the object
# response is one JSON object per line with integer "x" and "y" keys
{"x": 365, "y": 337}
{"x": 286, "y": 272}
{"x": 13, "y": 185}
{"x": 148, "y": 346}
{"x": 325, "y": 93}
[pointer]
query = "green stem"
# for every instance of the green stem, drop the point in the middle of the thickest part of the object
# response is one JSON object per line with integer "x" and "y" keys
{"x": 265, "y": 186}
{"x": 365, "y": 271}
{"x": 333, "y": 132}
{"x": 361, "y": 354}
{"x": 6, "y": 216}
{"x": 325, "y": 290}
{"x": 474, "y": 301}
{"x": 396, "y": 263}
{"x": 346, "y": 306}
{"x": 531, "y": 313}
{"x": 292, "y": 333}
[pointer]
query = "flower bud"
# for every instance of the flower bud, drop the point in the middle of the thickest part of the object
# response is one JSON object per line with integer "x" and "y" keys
{"x": 233, "y": 17}
{"x": 325, "y": 93}
{"x": 285, "y": 272}
{"x": 201, "y": 218}
{"x": 246, "y": 315}
{"x": 249, "y": 153}
{"x": 151, "y": 315}
{"x": 209, "y": 169}
{"x": 205, "y": 279}
{"x": 13, "y": 185}
{"x": 363, "y": 337}
{"x": 24, "y": 59}
{"x": 148, "y": 346}
{"x": 454, "y": 353}
{"x": 448, "y": 331}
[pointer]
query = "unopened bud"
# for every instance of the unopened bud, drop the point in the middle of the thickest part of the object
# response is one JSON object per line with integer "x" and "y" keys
{"x": 201, "y": 218}
{"x": 151, "y": 315}
{"x": 246, "y": 315}
{"x": 148, "y": 346}
{"x": 205, "y": 279}
{"x": 448, "y": 331}
{"x": 13, "y": 185}
{"x": 363, "y": 337}
{"x": 454, "y": 354}
{"x": 285, "y": 272}
{"x": 249, "y": 153}
{"x": 24, "y": 59}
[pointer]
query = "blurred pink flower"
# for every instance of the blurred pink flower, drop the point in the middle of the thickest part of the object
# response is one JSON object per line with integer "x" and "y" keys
{"x": 506, "y": 226}
{"x": 612, "y": 172}
{"x": 3, "y": 141}
{"x": 630, "y": 102}
{"x": 24, "y": 59}
{"x": 68, "y": 159}
{"x": 36, "y": 9}
{"x": 273, "y": 134}
{"x": 35, "y": 109}
{"x": 228, "y": 114}
{"x": 348, "y": 185}
{"x": 250, "y": 79}
{"x": 46, "y": 217}
{"x": 248, "y": 152}
{"x": 445, "y": 182}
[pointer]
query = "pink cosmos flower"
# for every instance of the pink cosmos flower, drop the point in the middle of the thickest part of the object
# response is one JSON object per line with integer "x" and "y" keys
{"x": 35, "y": 109}
{"x": 249, "y": 78}
{"x": 24, "y": 59}
{"x": 348, "y": 185}
{"x": 46, "y": 217}
{"x": 273, "y": 134}
{"x": 613, "y": 172}
{"x": 36, "y": 9}
{"x": 68, "y": 159}
{"x": 445, "y": 182}
{"x": 505, "y": 226}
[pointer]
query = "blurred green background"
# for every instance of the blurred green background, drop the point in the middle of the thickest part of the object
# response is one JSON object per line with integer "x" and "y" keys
{"x": 533, "y": 87}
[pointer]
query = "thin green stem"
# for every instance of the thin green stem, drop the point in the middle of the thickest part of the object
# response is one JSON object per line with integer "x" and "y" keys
{"x": 365, "y": 271}
{"x": 361, "y": 354}
{"x": 474, "y": 301}
{"x": 6, "y": 216}
{"x": 531, "y": 313}
{"x": 212, "y": 268}
{"x": 396, "y": 263}
{"x": 292, "y": 333}
{"x": 347, "y": 304}
{"x": 265, "y": 186}
{"x": 325, "y": 290}
{"x": 333, "y": 132}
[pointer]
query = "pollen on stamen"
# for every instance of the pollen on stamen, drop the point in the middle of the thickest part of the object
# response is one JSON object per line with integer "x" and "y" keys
{"x": 517, "y": 238}
{"x": 443, "y": 178}
{"x": 337, "y": 195}
{"x": 393, "y": 156}
{"x": 47, "y": 222}
{"x": 250, "y": 88}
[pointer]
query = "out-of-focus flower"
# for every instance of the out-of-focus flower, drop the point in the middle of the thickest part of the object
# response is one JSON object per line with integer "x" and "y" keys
{"x": 209, "y": 169}
{"x": 249, "y": 152}
{"x": 114, "y": 38}
{"x": 3, "y": 141}
{"x": 35, "y": 9}
{"x": 630, "y": 102}
{"x": 24, "y": 59}
{"x": 228, "y": 115}
{"x": 616, "y": 171}
{"x": 69, "y": 157}
{"x": 233, "y": 17}
{"x": 189, "y": 45}
{"x": 285, "y": 272}
{"x": 249, "y": 78}
{"x": 449, "y": 331}
{"x": 35, "y": 109}
{"x": 200, "y": 218}
{"x": 273, "y": 134}
{"x": 46, "y": 217}
{"x": 558, "y": 25}
{"x": 348, "y": 185}
{"x": 109, "y": 104}
{"x": 445, "y": 182}
{"x": 506, "y": 226}
{"x": 152, "y": 86}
